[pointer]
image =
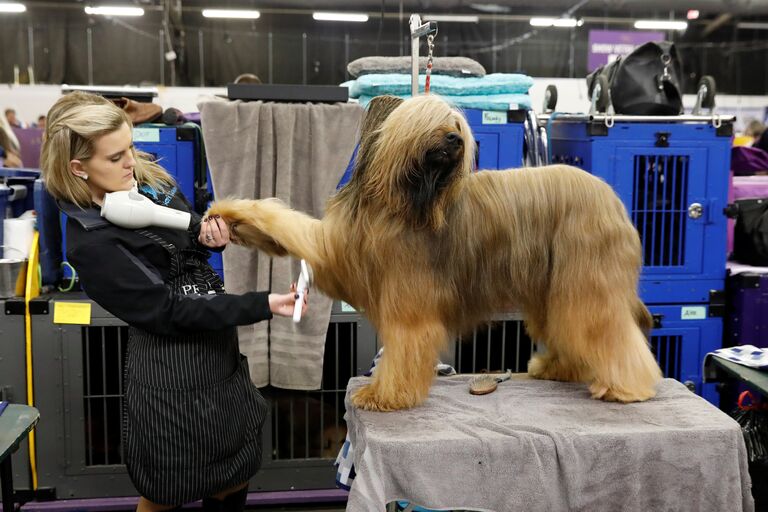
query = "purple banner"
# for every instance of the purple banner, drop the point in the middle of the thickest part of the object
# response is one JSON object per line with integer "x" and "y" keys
{"x": 606, "y": 45}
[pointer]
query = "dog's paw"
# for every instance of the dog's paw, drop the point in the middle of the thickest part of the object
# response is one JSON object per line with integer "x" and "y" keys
{"x": 603, "y": 392}
{"x": 537, "y": 367}
{"x": 366, "y": 398}
{"x": 370, "y": 398}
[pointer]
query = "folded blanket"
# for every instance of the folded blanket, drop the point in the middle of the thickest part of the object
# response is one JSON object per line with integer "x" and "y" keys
{"x": 496, "y": 83}
{"x": 451, "y": 66}
{"x": 501, "y": 102}
{"x": 746, "y": 355}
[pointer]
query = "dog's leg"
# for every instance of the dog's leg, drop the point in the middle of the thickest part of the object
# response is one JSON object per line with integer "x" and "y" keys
{"x": 273, "y": 227}
{"x": 404, "y": 374}
{"x": 610, "y": 347}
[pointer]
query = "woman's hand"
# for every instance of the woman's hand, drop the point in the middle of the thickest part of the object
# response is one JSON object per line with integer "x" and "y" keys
{"x": 213, "y": 232}
{"x": 282, "y": 304}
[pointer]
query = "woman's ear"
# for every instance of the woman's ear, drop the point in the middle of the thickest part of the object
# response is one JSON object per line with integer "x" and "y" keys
{"x": 76, "y": 168}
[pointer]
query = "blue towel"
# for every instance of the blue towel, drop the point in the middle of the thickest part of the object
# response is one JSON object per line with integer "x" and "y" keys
{"x": 501, "y": 102}
{"x": 400, "y": 84}
{"x": 3, "y": 405}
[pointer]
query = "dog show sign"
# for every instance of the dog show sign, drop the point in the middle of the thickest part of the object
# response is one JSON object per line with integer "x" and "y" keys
{"x": 607, "y": 45}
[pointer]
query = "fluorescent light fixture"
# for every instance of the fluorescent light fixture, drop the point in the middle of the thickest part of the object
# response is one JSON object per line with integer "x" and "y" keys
{"x": 231, "y": 13}
{"x": 340, "y": 16}
{"x": 661, "y": 25}
{"x": 556, "y": 22}
{"x": 448, "y": 18}
{"x": 109, "y": 10}
{"x": 753, "y": 25}
{"x": 12, "y": 7}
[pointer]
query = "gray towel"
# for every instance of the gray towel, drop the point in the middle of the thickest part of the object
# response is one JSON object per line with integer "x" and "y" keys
{"x": 298, "y": 153}
{"x": 546, "y": 446}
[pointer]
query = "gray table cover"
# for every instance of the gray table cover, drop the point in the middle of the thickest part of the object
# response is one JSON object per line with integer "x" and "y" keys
{"x": 537, "y": 445}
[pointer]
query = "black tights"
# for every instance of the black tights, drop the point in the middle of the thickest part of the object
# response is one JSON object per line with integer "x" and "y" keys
{"x": 234, "y": 502}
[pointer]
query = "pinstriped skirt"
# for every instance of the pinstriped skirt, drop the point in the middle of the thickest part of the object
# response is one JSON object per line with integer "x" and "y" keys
{"x": 192, "y": 421}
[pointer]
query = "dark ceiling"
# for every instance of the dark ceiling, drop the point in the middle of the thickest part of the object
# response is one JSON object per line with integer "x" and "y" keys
{"x": 613, "y": 8}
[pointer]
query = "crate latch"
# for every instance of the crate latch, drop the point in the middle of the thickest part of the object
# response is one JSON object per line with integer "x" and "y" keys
{"x": 717, "y": 303}
{"x": 662, "y": 139}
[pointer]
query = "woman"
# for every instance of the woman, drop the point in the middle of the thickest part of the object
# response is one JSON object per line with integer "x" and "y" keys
{"x": 192, "y": 418}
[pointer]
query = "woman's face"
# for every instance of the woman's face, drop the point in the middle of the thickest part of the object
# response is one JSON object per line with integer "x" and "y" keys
{"x": 111, "y": 167}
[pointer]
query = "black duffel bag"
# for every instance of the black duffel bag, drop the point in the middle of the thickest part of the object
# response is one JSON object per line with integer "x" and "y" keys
{"x": 645, "y": 82}
{"x": 750, "y": 234}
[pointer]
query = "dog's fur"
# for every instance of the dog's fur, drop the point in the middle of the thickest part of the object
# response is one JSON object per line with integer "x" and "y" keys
{"x": 428, "y": 249}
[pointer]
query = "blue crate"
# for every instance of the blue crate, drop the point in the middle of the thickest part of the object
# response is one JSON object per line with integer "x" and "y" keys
{"x": 499, "y": 137}
{"x": 685, "y": 334}
{"x": 660, "y": 170}
{"x": 175, "y": 149}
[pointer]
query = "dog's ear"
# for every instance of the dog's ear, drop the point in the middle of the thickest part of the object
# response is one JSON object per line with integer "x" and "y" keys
{"x": 378, "y": 110}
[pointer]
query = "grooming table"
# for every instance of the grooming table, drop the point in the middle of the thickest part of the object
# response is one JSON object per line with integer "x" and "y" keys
{"x": 546, "y": 446}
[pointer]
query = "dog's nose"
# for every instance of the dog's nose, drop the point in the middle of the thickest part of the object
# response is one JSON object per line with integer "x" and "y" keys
{"x": 454, "y": 138}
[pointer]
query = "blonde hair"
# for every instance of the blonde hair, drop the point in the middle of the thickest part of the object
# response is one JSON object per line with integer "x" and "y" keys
{"x": 74, "y": 123}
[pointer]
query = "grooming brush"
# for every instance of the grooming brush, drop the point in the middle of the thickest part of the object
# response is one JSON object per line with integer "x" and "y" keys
{"x": 487, "y": 382}
{"x": 305, "y": 281}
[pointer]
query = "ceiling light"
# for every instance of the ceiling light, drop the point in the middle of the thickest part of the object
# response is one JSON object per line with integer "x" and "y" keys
{"x": 115, "y": 11}
{"x": 661, "y": 25}
{"x": 555, "y": 22}
{"x": 339, "y": 16}
{"x": 491, "y": 8}
{"x": 231, "y": 13}
{"x": 12, "y": 7}
{"x": 451, "y": 18}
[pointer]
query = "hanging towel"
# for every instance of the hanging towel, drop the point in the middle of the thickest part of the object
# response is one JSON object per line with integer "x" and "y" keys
{"x": 296, "y": 152}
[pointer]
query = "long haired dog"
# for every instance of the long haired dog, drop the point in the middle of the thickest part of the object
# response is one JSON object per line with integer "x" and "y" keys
{"x": 428, "y": 249}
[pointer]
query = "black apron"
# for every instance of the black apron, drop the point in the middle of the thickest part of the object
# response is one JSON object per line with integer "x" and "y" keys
{"x": 192, "y": 421}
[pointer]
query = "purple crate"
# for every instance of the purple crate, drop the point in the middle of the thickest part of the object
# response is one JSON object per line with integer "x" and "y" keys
{"x": 747, "y": 319}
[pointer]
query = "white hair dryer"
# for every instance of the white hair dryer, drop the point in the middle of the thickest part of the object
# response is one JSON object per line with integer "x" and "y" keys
{"x": 131, "y": 210}
{"x": 305, "y": 281}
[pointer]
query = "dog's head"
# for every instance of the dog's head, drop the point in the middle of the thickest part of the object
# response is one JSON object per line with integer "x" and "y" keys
{"x": 415, "y": 160}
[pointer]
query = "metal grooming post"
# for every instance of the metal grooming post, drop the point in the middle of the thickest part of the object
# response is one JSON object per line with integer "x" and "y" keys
{"x": 418, "y": 30}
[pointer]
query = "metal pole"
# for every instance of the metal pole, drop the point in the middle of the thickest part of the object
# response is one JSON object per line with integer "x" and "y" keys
{"x": 400, "y": 24}
{"x": 162, "y": 58}
{"x": 201, "y": 53}
{"x": 571, "y": 63}
{"x": 346, "y": 55}
{"x": 89, "y": 32}
{"x": 415, "y": 22}
{"x": 304, "y": 58}
{"x": 269, "y": 44}
{"x": 31, "y": 45}
{"x": 493, "y": 43}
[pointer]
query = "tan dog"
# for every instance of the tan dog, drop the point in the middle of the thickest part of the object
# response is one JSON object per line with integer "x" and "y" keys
{"x": 428, "y": 249}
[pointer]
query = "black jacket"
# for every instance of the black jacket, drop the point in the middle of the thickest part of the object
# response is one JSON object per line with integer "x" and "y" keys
{"x": 125, "y": 272}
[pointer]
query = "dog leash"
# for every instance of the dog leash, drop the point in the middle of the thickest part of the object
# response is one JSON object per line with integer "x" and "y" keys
{"x": 430, "y": 50}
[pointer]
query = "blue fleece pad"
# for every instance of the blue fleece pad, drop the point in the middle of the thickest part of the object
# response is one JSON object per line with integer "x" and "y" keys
{"x": 501, "y": 102}
{"x": 400, "y": 84}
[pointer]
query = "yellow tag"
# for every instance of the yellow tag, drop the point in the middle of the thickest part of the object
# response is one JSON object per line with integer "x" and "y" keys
{"x": 78, "y": 313}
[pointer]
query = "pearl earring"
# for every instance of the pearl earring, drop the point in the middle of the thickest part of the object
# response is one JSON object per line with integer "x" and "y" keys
{"x": 84, "y": 176}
